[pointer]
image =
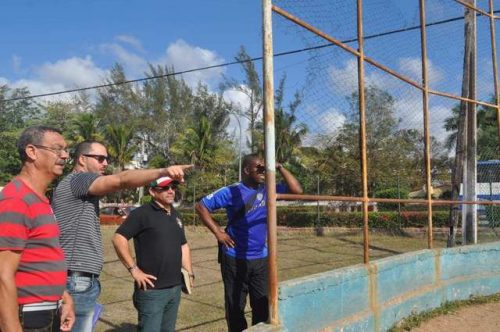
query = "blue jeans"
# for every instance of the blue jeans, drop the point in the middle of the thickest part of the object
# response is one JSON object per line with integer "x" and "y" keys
{"x": 85, "y": 292}
{"x": 157, "y": 309}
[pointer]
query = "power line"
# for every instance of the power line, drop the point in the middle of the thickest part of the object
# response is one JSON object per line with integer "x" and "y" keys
{"x": 227, "y": 64}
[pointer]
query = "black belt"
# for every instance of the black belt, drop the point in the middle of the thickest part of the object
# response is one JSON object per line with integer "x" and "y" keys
{"x": 82, "y": 274}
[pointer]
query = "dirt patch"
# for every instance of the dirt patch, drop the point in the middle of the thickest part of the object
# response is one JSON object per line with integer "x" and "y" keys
{"x": 482, "y": 317}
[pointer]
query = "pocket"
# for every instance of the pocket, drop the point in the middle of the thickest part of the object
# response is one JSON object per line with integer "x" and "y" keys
{"x": 79, "y": 284}
{"x": 38, "y": 321}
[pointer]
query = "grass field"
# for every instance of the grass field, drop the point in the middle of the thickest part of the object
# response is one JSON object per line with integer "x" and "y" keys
{"x": 300, "y": 253}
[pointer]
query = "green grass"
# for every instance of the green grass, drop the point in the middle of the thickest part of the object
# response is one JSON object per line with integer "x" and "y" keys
{"x": 416, "y": 320}
{"x": 300, "y": 253}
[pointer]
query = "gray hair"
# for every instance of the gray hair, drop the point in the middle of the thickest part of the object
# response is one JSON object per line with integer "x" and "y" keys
{"x": 32, "y": 135}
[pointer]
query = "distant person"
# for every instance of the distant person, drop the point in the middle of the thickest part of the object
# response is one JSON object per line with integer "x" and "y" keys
{"x": 76, "y": 205}
{"x": 161, "y": 249}
{"x": 32, "y": 266}
{"x": 243, "y": 249}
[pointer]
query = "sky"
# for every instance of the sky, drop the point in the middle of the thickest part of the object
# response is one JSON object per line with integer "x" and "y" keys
{"x": 64, "y": 44}
{"x": 54, "y": 45}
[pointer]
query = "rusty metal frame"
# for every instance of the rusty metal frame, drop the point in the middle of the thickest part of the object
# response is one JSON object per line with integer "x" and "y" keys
{"x": 495, "y": 64}
{"x": 371, "y": 61}
{"x": 270, "y": 160}
{"x": 268, "y": 8}
{"x": 425, "y": 106}
{"x": 362, "y": 128}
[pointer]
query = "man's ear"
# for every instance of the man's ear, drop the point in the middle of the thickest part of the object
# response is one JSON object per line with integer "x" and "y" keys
{"x": 30, "y": 151}
{"x": 80, "y": 161}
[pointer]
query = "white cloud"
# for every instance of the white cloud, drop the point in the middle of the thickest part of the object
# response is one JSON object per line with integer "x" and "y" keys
{"x": 409, "y": 110}
{"x": 60, "y": 75}
{"x": 132, "y": 41}
{"x": 242, "y": 102}
{"x": 345, "y": 79}
{"x": 133, "y": 64}
{"x": 72, "y": 72}
{"x": 76, "y": 72}
{"x": 412, "y": 67}
{"x": 183, "y": 56}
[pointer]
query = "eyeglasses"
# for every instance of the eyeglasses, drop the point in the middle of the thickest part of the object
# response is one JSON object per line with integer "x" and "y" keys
{"x": 99, "y": 157}
{"x": 57, "y": 151}
{"x": 167, "y": 187}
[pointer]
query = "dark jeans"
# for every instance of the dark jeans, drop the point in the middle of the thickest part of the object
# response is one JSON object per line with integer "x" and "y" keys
{"x": 40, "y": 321}
{"x": 242, "y": 277}
{"x": 157, "y": 309}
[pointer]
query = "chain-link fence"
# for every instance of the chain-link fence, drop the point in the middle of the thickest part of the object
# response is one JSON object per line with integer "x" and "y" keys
{"x": 412, "y": 104}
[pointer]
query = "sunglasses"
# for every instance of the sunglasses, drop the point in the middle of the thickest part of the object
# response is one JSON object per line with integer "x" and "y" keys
{"x": 100, "y": 158}
{"x": 167, "y": 187}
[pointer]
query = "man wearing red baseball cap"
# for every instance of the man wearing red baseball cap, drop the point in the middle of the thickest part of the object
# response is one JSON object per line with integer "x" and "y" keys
{"x": 161, "y": 250}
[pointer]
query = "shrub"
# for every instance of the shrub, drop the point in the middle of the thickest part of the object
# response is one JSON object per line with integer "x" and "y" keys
{"x": 308, "y": 217}
{"x": 391, "y": 193}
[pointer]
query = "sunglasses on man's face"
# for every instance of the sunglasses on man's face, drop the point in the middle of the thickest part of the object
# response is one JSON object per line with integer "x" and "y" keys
{"x": 167, "y": 187}
{"x": 261, "y": 169}
{"x": 99, "y": 157}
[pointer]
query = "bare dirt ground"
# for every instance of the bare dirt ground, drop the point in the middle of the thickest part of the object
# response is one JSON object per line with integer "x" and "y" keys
{"x": 481, "y": 318}
{"x": 300, "y": 253}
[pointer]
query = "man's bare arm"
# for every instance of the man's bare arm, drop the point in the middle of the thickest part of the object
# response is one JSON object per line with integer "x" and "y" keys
{"x": 9, "y": 310}
{"x": 292, "y": 183}
{"x": 186, "y": 262}
{"x": 212, "y": 225}
{"x": 142, "y": 279}
{"x": 135, "y": 178}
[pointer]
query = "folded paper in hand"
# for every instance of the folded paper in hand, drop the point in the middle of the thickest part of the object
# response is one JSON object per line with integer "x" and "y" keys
{"x": 186, "y": 282}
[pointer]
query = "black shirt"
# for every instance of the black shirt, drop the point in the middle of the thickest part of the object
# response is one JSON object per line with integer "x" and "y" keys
{"x": 158, "y": 238}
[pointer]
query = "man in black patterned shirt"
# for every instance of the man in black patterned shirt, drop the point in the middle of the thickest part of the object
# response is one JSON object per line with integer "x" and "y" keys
{"x": 76, "y": 206}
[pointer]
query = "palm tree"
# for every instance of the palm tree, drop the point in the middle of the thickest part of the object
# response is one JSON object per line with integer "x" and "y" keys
{"x": 120, "y": 144}
{"x": 86, "y": 127}
{"x": 289, "y": 134}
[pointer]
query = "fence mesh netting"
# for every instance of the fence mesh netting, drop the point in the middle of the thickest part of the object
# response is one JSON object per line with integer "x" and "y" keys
{"x": 394, "y": 109}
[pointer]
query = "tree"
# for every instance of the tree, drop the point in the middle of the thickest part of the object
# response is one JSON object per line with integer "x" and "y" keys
{"x": 288, "y": 133}
{"x": 487, "y": 132}
{"x": 118, "y": 103}
{"x": 14, "y": 117}
{"x": 120, "y": 144}
{"x": 166, "y": 110}
{"x": 86, "y": 126}
{"x": 251, "y": 87}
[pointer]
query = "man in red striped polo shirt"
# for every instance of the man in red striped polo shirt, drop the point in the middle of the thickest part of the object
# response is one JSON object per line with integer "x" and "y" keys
{"x": 32, "y": 266}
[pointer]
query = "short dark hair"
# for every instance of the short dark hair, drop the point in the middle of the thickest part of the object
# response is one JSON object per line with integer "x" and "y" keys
{"x": 83, "y": 148}
{"x": 32, "y": 135}
{"x": 247, "y": 159}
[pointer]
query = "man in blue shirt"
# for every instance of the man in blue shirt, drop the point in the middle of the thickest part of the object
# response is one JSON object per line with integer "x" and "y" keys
{"x": 243, "y": 249}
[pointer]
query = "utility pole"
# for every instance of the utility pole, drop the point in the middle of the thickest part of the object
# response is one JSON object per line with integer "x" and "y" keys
{"x": 469, "y": 212}
{"x": 457, "y": 177}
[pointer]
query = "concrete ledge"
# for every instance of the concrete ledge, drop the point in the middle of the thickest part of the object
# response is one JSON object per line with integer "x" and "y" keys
{"x": 375, "y": 296}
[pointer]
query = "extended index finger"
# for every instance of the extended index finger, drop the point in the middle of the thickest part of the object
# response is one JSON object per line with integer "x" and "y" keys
{"x": 186, "y": 167}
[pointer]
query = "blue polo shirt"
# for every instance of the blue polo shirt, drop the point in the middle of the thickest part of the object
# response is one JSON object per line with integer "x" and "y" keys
{"x": 247, "y": 217}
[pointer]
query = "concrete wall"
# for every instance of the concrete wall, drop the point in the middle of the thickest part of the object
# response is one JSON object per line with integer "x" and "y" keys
{"x": 374, "y": 297}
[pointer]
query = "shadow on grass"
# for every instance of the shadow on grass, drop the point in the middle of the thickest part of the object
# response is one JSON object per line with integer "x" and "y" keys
{"x": 123, "y": 327}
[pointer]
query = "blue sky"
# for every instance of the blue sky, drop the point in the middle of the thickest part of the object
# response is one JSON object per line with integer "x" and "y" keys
{"x": 84, "y": 38}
